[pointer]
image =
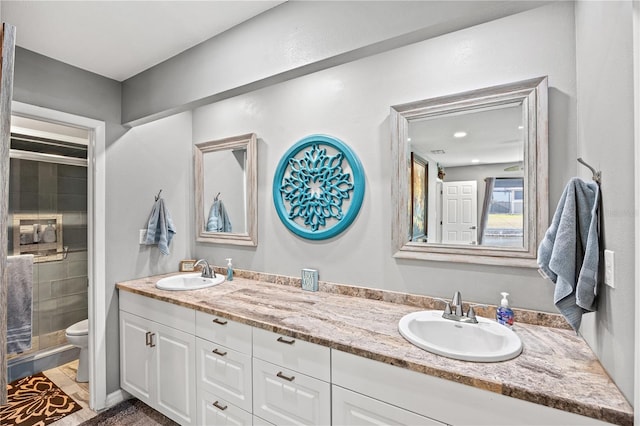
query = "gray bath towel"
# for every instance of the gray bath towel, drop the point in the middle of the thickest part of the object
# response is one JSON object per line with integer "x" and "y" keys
{"x": 570, "y": 252}
{"x": 19, "y": 302}
{"x": 160, "y": 229}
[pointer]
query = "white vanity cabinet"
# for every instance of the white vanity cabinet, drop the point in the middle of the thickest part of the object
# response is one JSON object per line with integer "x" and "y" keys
{"x": 351, "y": 408}
{"x": 223, "y": 369}
{"x": 444, "y": 401}
{"x": 157, "y": 355}
{"x": 290, "y": 380}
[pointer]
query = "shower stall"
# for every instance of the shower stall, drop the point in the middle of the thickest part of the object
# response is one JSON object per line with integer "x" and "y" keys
{"x": 47, "y": 218}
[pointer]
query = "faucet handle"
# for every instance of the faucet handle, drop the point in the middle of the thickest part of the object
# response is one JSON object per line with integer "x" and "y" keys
{"x": 447, "y": 307}
{"x": 471, "y": 313}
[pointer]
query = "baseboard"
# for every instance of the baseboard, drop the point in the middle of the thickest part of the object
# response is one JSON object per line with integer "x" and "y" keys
{"x": 116, "y": 397}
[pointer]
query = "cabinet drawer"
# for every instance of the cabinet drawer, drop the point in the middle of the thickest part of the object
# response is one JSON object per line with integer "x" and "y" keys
{"x": 224, "y": 372}
{"x": 284, "y": 397}
{"x": 232, "y": 334}
{"x": 214, "y": 411}
{"x": 165, "y": 313}
{"x": 351, "y": 408}
{"x": 295, "y": 354}
{"x": 257, "y": 421}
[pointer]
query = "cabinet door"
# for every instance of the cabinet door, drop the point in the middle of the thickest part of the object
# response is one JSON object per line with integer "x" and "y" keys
{"x": 175, "y": 372}
{"x": 351, "y": 408}
{"x": 136, "y": 357}
{"x": 286, "y": 397}
{"x": 224, "y": 372}
{"x": 214, "y": 411}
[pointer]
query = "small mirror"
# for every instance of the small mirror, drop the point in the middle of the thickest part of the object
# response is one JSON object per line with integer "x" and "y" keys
{"x": 470, "y": 178}
{"x": 226, "y": 191}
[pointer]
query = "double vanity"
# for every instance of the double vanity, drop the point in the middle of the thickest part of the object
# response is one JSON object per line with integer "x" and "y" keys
{"x": 259, "y": 350}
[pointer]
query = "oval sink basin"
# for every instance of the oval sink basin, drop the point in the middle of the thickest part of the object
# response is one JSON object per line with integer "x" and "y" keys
{"x": 188, "y": 282}
{"x": 486, "y": 341}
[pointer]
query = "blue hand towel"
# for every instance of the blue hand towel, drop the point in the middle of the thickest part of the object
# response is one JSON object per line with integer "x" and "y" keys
{"x": 570, "y": 251}
{"x": 19, "y": 302}
{"x": 160, "y": 229}
{"x": 218, "y": 218}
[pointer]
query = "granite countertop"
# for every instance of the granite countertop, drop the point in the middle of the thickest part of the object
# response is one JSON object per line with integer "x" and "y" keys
{"x": 556, "y": 367}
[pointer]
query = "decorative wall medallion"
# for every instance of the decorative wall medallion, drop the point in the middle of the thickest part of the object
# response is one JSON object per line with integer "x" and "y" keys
{"x": 318, "y": 187}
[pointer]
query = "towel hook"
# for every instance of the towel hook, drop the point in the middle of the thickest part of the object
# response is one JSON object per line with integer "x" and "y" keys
{"x": 216, "y": 199}
{"x": 158, "y": 196}
{"x": 597, "y": 175}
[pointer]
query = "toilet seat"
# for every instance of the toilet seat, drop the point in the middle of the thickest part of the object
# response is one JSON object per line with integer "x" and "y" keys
{"x": 79, "y": 329}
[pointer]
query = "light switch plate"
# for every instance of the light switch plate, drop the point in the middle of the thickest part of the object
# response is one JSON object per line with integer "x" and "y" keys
{"x": 143, "y": 236}
{"x": 609, "y": 268}
{"x": 310, "y": 279}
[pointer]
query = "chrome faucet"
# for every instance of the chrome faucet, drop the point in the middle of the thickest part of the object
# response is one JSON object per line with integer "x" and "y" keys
{"x": 453, "y": 310}
{"x": 207, "y": 270}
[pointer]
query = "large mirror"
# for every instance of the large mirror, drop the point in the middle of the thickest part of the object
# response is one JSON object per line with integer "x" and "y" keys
{"x": 470, "y": 175}
{"x": 226, "y": 191}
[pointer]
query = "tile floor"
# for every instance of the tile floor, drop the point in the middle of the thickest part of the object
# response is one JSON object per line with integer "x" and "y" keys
{"x": 64, "y": 377}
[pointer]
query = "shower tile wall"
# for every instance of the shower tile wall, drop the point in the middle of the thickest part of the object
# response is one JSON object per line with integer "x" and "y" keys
{"x": 60, "y": 287}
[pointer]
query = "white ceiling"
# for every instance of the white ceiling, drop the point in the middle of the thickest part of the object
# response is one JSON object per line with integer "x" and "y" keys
{"x": 119, "y": 39}
{"x": 493, "y": 136}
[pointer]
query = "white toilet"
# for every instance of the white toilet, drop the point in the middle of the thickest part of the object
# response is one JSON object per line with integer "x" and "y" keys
{"x": 78, "y": 335}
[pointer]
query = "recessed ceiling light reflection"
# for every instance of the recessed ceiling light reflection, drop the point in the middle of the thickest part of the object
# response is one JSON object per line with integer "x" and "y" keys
{"x": 475, "y": 160}
{"x": 459, "y": 134}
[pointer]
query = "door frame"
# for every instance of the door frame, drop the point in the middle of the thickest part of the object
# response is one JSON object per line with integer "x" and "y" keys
{"x": 636, "y": 101}
{"x": 96, "y": 223}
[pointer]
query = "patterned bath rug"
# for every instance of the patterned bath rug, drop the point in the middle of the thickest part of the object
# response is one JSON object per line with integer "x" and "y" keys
{"x": 35, "y": 401}
{"x": 129, "y": 413}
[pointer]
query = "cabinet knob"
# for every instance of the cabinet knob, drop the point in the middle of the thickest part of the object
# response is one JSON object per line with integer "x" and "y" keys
{"x": 287, "y": 378}
{"x": 219, "y": 407}
{"x": 219, "y": 321}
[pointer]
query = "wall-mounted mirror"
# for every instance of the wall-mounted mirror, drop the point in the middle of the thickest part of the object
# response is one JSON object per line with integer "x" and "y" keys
{"x": 226, "y": 190}
{"x": 470, "y": 175}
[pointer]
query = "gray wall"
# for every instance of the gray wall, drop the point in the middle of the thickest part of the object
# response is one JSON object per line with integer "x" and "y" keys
{"x": 351, "y": 102}
{"x": 604, "y": 54}
{"x": 294, "y": 39}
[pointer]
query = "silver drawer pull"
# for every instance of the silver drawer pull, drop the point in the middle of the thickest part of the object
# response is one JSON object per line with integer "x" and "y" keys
{"x": 217, "y": 352}
{"x": 288, "y": 342}
{"x": 219, "y": 321}
{"x": 287, "y": 378}
{"x": 219, "y": 407}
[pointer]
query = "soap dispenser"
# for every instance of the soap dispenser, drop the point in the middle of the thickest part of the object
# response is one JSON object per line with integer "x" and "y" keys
{"x": 229, "y": 270}
{"x": 504, "y": 314}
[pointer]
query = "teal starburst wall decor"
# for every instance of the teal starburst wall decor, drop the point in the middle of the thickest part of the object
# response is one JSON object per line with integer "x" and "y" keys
{"x": 318, "y": 187}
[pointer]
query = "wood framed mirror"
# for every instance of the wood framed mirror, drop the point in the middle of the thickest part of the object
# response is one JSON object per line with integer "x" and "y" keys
{"x": 226, "y": 191}
{"x": 486, "y": 175}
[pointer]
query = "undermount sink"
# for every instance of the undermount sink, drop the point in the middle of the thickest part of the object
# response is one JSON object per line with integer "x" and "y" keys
{"x": 486, "y": 341}
{"x": 188, "y": 282}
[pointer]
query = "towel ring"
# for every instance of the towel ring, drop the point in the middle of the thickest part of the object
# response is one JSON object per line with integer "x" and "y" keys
{"x": 597, "y": 175}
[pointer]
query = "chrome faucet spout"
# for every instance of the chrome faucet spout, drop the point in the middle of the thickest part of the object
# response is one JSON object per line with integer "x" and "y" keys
{"x": 454, "y": 310}
{"x": 207, "y": 270}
